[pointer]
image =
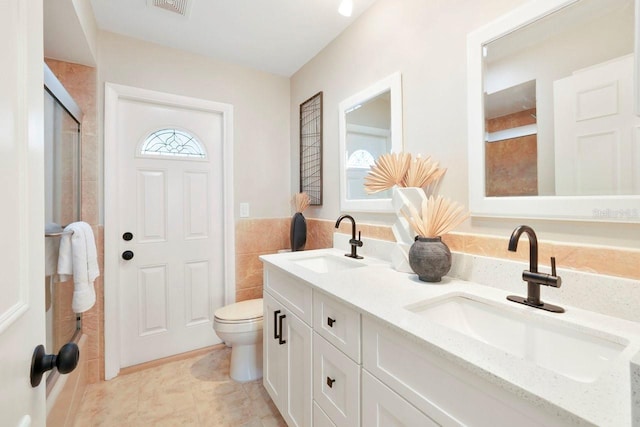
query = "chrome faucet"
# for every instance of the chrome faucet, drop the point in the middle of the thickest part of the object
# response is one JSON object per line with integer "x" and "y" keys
{"x": 355, "y": 243}
{"x": 533, "y": 278}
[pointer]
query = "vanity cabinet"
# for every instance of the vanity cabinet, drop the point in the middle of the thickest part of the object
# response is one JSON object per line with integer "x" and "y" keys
{"x": 287, "y": 344}
{"x": 449, "y": 394}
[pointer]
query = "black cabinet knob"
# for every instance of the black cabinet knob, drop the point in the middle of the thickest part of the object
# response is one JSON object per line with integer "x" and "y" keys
{"x": 330, "y": 322}
{"x": 66, "y": 361}
{"x": 127, "y": 255}
{"x": 330, "y": 382}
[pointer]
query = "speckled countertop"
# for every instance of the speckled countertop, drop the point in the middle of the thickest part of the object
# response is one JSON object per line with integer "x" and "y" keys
{"x": 379, "y": 291}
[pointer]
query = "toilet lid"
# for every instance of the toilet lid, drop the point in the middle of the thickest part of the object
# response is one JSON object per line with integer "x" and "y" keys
{"x": 243, "y": 310}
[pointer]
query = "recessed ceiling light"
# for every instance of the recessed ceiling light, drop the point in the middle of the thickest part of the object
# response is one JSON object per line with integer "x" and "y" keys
{"x": 346, "y": 8}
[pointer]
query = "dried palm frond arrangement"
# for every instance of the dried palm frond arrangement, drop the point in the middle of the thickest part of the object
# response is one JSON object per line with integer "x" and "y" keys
{"x": 301, "y": 202}
{"x": 400, "y": 169}
{"x": 438, "y": 217}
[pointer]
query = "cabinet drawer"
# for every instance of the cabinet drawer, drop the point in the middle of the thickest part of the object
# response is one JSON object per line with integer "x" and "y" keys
{"x": 291, "y": 292}
{"x": 336, "y": 383}
{"x": 320, "y": 419}
{"x": 337, "y": 323}
{"x": 382, "y": 407}
{"x": 446, "y": 392}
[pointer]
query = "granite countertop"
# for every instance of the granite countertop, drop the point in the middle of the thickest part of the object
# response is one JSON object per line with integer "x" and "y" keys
{"x": 377, "y": 290}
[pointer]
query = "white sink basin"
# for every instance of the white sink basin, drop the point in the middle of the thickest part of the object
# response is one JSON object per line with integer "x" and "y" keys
{"x": 326, "y": 263}
{"x": 573, "y": 353}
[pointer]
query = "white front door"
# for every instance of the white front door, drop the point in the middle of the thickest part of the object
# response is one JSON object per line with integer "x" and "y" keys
{"x": 171, "y": 201}
{"x": 22, "y": 320}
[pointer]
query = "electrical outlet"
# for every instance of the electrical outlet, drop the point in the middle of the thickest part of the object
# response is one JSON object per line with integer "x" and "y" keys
{"x": 244, "y": 210}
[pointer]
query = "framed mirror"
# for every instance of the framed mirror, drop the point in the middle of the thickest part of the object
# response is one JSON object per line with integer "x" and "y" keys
{"x": 370, "y": 124}
{"x": 554, "y": 130}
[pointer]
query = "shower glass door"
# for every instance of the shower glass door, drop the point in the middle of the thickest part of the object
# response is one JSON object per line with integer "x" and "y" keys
{"x": 62, "y": 206}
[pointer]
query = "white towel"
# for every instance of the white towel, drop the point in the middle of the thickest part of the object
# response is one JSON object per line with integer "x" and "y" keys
{"x": 78, "y": 256}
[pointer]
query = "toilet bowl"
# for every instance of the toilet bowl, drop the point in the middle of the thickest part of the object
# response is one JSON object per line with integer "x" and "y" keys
{"x": 239, "y": 325}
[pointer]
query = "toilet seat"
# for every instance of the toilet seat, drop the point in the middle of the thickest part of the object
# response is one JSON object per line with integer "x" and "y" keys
{"x": 249, "y": 311}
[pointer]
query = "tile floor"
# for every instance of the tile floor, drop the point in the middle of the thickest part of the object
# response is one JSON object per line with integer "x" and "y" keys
{"x": 189, "y": 392}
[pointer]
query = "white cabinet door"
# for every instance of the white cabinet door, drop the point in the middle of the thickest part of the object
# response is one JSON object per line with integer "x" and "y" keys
{"x": 273, "y": 354}
{"x": 297, "y": 335}
{"x": 382, "y": 407}
{"x": 287, "y": 362}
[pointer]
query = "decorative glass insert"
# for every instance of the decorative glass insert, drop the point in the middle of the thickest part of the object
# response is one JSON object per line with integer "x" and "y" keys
{"x": 360, "y": 159}
{"x": 172, "y": 142}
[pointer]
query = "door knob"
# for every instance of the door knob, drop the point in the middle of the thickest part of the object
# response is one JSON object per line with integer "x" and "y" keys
{"x": 127, "y": 236}
{"x": 127, "y": 255}
{"x": 66, "y": 361}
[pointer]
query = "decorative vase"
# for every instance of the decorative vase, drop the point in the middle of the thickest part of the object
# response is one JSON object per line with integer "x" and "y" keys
{"x": 430, "y": 258}
{"x": 298, "y": 232}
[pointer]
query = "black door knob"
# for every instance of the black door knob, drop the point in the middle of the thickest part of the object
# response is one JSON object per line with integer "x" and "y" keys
{"x": 127, "y": 255}
{"x": 127, "y": 236}
{"x": 66, "y": 361}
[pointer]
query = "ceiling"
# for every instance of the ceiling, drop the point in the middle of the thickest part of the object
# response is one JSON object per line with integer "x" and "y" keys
{"x": 277, "y": 36}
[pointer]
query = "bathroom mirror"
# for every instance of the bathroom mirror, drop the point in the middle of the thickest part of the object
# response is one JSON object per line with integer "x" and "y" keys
{"x": 370, "y": 124}
{"x": 554, "y": 130}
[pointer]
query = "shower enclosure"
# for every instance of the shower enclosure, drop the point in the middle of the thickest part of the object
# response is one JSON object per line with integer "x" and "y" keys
{"x": 62, "y": 206}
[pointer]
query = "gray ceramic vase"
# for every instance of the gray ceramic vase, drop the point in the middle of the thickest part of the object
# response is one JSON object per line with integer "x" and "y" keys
{"x": 430, "y": 258}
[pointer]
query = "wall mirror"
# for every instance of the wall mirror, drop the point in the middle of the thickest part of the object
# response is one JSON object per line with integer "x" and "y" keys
{"x": 370, "y": 125}
{"x": 554, "y": 130}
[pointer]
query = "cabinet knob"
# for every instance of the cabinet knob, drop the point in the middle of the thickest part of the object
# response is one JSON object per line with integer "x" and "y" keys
{"x": 330, "y": 382}
{"x": 330, "y": 322}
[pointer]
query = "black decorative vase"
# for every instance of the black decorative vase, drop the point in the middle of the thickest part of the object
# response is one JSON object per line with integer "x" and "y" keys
{"x": 430, "y": 258}
{"x": 298, "y": 232}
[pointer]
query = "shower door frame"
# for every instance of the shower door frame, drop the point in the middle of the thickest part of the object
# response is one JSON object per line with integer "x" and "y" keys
{"x": 60, "y": 95}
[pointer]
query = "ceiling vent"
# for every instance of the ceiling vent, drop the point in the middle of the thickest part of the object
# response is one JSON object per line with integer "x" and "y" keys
{"x": 181, "y": 7}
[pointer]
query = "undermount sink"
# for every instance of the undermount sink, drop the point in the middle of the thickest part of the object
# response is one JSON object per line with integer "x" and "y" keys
{"x": 326, "y": 263}
{"x": 573, "y": 353}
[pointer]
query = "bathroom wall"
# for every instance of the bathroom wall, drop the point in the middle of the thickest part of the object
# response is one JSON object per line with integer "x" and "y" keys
{"x": 260, "y": 101}
{"x": 427, "y": 42}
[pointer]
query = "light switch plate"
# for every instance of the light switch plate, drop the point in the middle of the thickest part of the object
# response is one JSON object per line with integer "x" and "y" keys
{"x": 244, "y": 210}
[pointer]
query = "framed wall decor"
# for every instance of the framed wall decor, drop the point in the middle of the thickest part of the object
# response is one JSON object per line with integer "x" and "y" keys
{"x": 311, "y": 148}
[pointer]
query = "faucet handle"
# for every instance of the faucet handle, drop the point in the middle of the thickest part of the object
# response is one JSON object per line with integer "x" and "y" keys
{"x": 553, "y": 266}
{"x": 357, "y": 242}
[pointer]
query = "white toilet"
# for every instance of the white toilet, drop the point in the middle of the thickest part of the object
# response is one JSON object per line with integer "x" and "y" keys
{"x": 239, "y": 325}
